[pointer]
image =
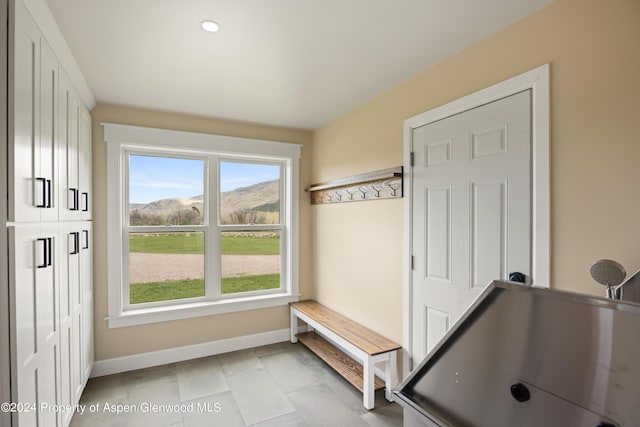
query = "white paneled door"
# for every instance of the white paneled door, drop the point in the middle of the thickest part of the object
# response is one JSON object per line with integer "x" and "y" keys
{"x": 35, "y": 340}
{"x": 471, "y": 211}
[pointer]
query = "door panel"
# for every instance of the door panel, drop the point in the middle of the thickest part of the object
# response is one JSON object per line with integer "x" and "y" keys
{"x": 471, "y": 211}
{"x": 35, "y": 336}
{"x": 68, "y": 150}
{"x": 437, "y": 324}
{"x": 32, "y": 155}
{"x": 23, "y": 153}
{"x": 86, "y": 287}
{"x": 438, "y": 220}
{"x": 69, "y": 285}
{"x": 48, "y": 130}
{"x": 84, "y": 163}
{"x": 488, "y": 232}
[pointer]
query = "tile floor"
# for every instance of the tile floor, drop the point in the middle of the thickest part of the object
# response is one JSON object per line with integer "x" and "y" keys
{"x": 278, "y": 385}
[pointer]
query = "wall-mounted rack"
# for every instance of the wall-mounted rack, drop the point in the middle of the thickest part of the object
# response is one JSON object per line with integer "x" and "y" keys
{"x": 382, "y": 184}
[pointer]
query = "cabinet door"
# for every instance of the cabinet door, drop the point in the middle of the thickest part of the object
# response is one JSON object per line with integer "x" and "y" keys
{"x": 33, "y": 310}
{"x": 69, "y": 265}
{"x": 68, "y": 150}
{"x": 33, "y": 125}
{"x": 46, "y": 155}
{"x": 84, "y": 160}
{"x": 86, "y": 285}
{"x": 25, "y": 192}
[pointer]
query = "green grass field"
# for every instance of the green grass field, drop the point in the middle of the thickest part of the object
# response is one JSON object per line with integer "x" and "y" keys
{"x": 190, "y": 288}
{"x": 193, "y": 243}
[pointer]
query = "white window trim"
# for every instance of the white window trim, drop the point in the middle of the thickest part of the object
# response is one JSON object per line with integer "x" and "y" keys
{"x": 120, "y": 138}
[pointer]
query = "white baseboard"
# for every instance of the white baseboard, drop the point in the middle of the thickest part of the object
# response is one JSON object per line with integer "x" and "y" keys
{"x": 179, "y": 354}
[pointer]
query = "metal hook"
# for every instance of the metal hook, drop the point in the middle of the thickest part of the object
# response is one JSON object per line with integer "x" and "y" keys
{"x": 364, "y": 193}
{"x": 393, "y": 189}
{"x": 376, "y": 189}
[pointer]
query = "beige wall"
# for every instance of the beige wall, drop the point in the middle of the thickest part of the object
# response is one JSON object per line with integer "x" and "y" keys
{"x": 351, "y": 254}
{"x": 110, "y": 343}
{"x": 594, "y": 51}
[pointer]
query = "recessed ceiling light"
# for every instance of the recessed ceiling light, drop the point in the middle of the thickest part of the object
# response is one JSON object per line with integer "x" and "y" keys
{"x": 210, "y": 26}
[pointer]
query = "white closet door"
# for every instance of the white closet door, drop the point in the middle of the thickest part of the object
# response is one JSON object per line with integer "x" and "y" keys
{"x": 69, "y": 264}
{"x": 68, "y": 150}
{"x": 48, "y": 132}
{"x": 84, "y": 163}
{"x": 35, "y": 332}
{"x": 86, "y": 286}
{"x": 471, "y": 211}
{"x": 26, "y": 191}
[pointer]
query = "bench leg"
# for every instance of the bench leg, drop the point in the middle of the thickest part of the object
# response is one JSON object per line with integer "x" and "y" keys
{"x": 392, "y": 375}
{"x": 293, "y": 325}
{"x": 369, "y": 391}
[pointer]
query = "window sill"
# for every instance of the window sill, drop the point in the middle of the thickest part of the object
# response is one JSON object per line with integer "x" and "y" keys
{"x": 187, "y": 311}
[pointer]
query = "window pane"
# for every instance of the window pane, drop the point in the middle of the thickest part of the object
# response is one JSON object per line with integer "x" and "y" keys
{"x": 165, "y": 191}
{"x": 250, "y": 261}
{"x": 249, "y": 193}
{"x": 165, "y": 266}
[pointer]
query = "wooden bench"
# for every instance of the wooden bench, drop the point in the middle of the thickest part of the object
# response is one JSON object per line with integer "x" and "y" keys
{"x": 366, "y": 346}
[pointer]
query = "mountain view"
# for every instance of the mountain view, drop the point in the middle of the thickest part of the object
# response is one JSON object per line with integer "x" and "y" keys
{"x": 256, "y": 204}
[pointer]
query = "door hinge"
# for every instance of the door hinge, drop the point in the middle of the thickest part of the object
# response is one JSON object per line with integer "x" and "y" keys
{"x": 412, "y": 260}
{"x": 412, "y": 159}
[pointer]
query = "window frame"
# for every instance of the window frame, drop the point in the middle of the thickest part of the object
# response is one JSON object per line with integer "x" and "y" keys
{"x": 128, "y": 229}
{"x": 281, "y": 226}
{"x": 124, "y": 140}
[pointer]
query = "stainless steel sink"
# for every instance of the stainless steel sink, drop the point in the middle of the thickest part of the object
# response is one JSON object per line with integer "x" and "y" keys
{"x": 524, "y": 356}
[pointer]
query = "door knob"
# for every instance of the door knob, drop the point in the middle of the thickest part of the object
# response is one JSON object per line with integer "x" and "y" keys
{"x": 516, "y": 276}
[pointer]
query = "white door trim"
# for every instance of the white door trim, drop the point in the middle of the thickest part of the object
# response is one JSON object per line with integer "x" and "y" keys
{"x": 538, "y": 81}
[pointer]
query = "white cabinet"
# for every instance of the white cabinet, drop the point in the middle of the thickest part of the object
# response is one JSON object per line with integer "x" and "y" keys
{"x": 50, "y": 158}
{"x": 33, "y": 123}
{"x": 84, "y": 163}
{"x": 51, "y": 291}
{"x": 74, "y": 152}
{"x": 86, "y": 289}
{"x": 71, "y": 378}
{"x": 46, "y": 155}
{"x": 47, "y": 232}
{"x": 34, "y": 333}
{"x": 76, "y": 310}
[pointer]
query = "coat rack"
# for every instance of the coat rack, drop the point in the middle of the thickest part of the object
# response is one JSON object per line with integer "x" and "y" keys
{"x": 383, "y": 184}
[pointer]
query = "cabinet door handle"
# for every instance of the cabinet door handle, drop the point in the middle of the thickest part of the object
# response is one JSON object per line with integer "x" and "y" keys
{"x": 43, "y": 204}
{"x": 49, "y": 251}
{"x": 85, "y": 238}
{"x": 44, "y": 253}
{"x": 74, "y": 199}
{"x": 76, "y": 243}
{"x": 85, "y": 202}
{"x": 49, "y": 193}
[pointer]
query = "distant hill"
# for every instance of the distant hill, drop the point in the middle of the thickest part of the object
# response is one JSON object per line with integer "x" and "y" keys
{"x": 249, "y": 198}
{"x": 263, "y": 196}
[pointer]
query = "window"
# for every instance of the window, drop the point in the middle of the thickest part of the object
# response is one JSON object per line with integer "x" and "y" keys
{"x": 198, "y": 224}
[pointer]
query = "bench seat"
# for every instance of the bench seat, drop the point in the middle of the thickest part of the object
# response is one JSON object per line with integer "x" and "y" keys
{"x": 339, "y": 332}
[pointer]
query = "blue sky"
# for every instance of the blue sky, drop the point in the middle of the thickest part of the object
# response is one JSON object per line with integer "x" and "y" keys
{"x": 155, "y": 178}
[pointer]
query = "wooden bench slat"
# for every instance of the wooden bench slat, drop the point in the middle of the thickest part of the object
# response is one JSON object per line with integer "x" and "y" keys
{"x": 365, "y": 339}
{"x": 348, "y": 368}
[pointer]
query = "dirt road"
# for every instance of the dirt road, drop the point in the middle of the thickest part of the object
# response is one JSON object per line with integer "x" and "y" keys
{"x": 146, "y": 268}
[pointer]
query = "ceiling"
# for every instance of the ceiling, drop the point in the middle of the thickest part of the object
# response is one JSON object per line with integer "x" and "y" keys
{"x": 295, "y": 63}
